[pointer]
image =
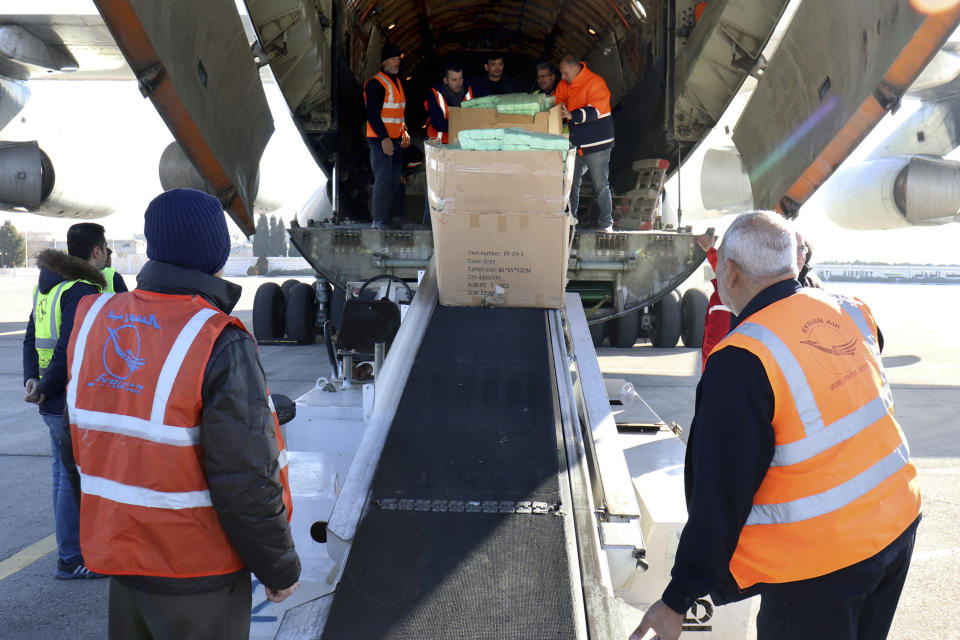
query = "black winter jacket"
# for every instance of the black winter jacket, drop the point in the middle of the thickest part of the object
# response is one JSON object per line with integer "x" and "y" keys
{"x": 55, "y": 267}
{"x": 240, "y": 454}
{"x": 482, "y": 86}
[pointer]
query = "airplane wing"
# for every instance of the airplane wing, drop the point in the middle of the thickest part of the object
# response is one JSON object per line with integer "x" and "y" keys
{"x": 193, "y": 60}
{"x": 839, "y": 69}
{"x": 75, "y": 46}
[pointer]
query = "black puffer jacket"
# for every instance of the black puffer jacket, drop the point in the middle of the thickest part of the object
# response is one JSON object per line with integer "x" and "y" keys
{"x": 239, "y": 446}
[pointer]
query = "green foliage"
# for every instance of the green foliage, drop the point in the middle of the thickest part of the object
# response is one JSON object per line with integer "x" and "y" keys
{"x": 278, "y": 237}
{"x": 12, "y": 247}
{"x": 261, "y": 238}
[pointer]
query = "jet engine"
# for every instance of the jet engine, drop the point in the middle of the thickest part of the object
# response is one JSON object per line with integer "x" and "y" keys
{"x": 896, "y": 192}
{"x": 26, "y": 175}
{"x": 177, "y": 172}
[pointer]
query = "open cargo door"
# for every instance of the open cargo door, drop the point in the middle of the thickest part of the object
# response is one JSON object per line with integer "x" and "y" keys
{"x": 193, "y": 61}
{"x": 840, "y": 67}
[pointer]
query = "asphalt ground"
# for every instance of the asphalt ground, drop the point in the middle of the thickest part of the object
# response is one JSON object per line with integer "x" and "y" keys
{"x": 921, "y": 356}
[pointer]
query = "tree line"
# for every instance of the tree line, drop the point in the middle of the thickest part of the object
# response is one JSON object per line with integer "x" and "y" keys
{"x": 269, "y": 240}
{"x": 13, "y": 249}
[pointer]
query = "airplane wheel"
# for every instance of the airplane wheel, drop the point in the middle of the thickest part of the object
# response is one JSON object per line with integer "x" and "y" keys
{"x": 624, "y": 330}
{"x": 666, "y": 315}
{"x": 268, "y": 311}
{"x": 301, "y": 314}
{"x": 693, "y": 308}
{"x": 287, "y": 285}
{"x": 597, "y": 333}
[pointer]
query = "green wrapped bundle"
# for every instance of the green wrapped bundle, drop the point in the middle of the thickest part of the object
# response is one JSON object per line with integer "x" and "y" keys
{"x": 520, "y": 103}
{"x": 511, "y": 139}
{"x": 516, "y": 139}
{"x": 482, "y": 139}
{"x": 486, "y": 102}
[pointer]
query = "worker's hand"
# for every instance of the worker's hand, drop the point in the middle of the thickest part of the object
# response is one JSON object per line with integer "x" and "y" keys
{"x": 404, "y": 141}
{"x": 387, "y": 145}
{"x": 706, "y": 241}
{"x": 565, "y": 112}
{"x": 662, "y": 620}
{"x": 41, "y": 398}
{"x": 31, "y": 390}
{"x": 282, "y": 594}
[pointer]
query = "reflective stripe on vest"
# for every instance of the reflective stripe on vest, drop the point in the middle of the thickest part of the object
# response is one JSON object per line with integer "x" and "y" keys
{"x": 394, "y": 103}
{"x": 442, "y": 136}
{"x": 142, "y": 497}
{"x": 161, "y": 343}
{"x": 832, "y": 499}
{"x": 46, "y": 306}
{"x": 819, "y": 437}
{"x": 840, "y": 486}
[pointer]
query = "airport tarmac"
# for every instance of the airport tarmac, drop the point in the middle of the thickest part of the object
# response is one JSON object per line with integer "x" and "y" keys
{"x": 921, "y": 355}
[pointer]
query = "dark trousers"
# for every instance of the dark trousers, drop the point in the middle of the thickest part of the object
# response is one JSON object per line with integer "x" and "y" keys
{"x": 854, "y": 603}
{"x": 223, "y": 614}
{"x": 387, "y": 175}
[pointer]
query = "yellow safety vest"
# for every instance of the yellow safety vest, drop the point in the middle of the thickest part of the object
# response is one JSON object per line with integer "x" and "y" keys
{"x": 108, "y": 273}
{"x": 46, "y": 320}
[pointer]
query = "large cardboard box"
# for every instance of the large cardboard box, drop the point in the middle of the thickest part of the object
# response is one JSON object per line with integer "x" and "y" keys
{"x": 544, "y": 122}
{"x": 501, "y": 233}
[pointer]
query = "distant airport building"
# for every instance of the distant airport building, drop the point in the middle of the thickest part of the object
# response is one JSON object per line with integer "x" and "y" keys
{"x": 37, "y": 241}
{"x": 889, "y": 273}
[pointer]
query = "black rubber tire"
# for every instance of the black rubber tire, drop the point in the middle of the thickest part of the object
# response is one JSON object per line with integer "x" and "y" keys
{"x": 624, "y": 330}
{"x": 302, "y": 314}
{"x": 287, "y": 285}
{"x": 268, "y": 312}
{"x": 693, "y": 308}
{"x": 597, "y": 333}
{"x": 666, "y": 326}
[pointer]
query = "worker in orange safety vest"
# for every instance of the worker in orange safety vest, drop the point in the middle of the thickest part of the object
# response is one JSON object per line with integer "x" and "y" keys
{"x": 450, "y": 92}
{"x": 798, "y": 477}
{"x": 386, "y": 136}
{"x": 182, "y": 468}
{"x": 585, "y": 105}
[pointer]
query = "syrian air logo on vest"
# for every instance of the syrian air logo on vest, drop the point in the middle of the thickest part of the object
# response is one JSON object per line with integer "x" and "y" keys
{"x": 121, "y": 352}
{"x": 831, "y": 349}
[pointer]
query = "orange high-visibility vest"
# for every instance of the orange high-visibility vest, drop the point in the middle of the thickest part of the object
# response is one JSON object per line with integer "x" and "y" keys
{"x": 394, "y": 103}
{"x": 136, "y": 363}
{"x": 432, "y": 133}
{"x": 841, "y": 486}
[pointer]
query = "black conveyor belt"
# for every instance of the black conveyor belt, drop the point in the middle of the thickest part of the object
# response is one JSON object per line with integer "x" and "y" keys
{"x": 437, "y": 555}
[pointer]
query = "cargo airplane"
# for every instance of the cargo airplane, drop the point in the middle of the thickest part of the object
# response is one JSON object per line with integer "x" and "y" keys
{"x": 673, "y": 70}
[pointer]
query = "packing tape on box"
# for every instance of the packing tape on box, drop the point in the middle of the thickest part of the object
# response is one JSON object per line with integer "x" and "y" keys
{"x": 502, "y": 223}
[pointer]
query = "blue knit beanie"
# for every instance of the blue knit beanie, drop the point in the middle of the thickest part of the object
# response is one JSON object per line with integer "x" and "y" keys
{"x": 186, "y": 227}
